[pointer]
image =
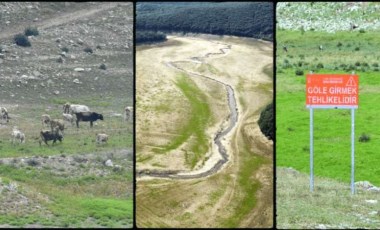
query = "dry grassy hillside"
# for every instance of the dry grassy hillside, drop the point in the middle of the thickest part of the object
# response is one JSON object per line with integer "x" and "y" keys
{"x": 83, "y": 54}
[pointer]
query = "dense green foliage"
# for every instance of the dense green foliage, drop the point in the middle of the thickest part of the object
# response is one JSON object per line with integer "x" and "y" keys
{"x": 149, "y": 36}
{"x": 266, "y": 121}
{"x": 247, "y": 19}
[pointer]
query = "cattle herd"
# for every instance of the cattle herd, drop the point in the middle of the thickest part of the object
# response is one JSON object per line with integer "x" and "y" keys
{"x": 71, "y": 113}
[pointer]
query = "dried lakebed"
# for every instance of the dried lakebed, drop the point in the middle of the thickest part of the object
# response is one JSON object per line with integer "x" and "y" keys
{"x": 233, "y": 118}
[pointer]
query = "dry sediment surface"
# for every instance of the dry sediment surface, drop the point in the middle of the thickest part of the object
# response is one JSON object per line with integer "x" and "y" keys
{"x": 212, "y": 200}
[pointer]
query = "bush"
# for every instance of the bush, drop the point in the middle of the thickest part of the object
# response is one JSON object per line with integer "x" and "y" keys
{"x": 60, "y": 60}
{"x": 22, "y": 40}
{"x": 339, "y": 44}
{"x": 320, "y": 66}
{"x": 65, "y": 49}
{"x": 32, "y": 162}
{"x": 364, "y": 138}
{"x": 375, "y": 65}
{"x": 306, "y": 149}
{"x": 103, "y": 66}
{"x": 31, "y": 31}
{"x": 357, "y": 63}
{"x": 88, "y": 50}
{"x": 357, "y": 49}
{"x": 299, "y": 72}
{"x": 361, "y": 31}
{"x": 343, "y": 65}
{"x": 266, "y": 121}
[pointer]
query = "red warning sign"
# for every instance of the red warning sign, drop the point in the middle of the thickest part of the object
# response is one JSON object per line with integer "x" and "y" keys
{"x": 332, "y": 91}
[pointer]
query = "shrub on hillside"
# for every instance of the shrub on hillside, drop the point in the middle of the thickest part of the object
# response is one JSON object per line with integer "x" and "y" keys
{"x": 65, "y": 49}
{"x": 88, "y": 50}
{"x": 31, "y": 31}
{"x": 266, "y": 121}
{"x": 364, "y": 138}
{"x": 32, "y": 162}
{"x": 103, "y": 66}
{"x": 299, "y": 72}
{"x": 320, "y": 66}
{"x": 21, "y": 40}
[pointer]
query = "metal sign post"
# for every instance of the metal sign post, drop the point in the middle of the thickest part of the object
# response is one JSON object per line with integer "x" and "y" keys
{"x": 352, "y": 151}
{"x": 311, "y": 151}
{"x": 338, "y": 91}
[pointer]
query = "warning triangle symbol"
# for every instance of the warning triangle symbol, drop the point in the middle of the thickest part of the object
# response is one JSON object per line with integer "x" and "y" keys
{"x": 351, "y": 82}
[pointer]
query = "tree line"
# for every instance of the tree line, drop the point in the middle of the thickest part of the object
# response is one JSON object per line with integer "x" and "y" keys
{"x": 246, "y": 19}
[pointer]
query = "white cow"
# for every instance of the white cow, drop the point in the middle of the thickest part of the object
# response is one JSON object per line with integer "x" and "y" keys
{"x": 73, "y": 108}
{"x": 45, "y": 119}
{"x": 17, "y": 135}
{"x": 68, "y": 117}
{"x": 4, "y": 114}
{"x": 101, "y": 138}
{"x": 128, "y": 113}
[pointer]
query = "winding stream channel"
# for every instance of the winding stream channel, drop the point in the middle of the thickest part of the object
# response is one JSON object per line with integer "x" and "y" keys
{"x": 233, "y": 117}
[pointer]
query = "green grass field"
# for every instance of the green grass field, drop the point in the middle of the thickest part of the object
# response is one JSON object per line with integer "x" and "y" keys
{"x": 71, "y": 200}
{"x": 343, "y": 52}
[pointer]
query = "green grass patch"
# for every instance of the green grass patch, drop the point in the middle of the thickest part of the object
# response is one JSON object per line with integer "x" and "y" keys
{"x": 70, "y": 203}
{"x": 195, "y": 125}
{"x": 75, "y": 142}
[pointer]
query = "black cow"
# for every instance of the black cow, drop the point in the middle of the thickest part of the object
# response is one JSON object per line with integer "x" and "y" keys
{"x": 88, "y": 116}
{"x": 47, "y": 135}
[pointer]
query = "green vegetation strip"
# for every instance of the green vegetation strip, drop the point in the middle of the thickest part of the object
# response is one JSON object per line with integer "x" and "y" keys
{"x": 195, "y": 126}
{"x": 250, "y": 163}
{"x": 69, "y": 207}
{"x": 71, "y": 144}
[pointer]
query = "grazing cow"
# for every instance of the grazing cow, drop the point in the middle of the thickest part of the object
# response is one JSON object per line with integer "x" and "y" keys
{"x": 88, "y": 116}
{"x": 17, "y": 135}
{"x": 4, "y": 114}
{"x": 57, "y": 123}
{"x": 48, "y": 135}
{"x": 101, "y": 138}
{"x": 68, "y": 117}
{"x": 353, "y": 26}
{"x": 128, "y": 113}
{"x": 67, "y": 108}
{"x": 45, "y": 118}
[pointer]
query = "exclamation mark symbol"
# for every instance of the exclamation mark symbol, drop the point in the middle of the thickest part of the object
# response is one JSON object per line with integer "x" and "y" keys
{"x": 351, "y": 82}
